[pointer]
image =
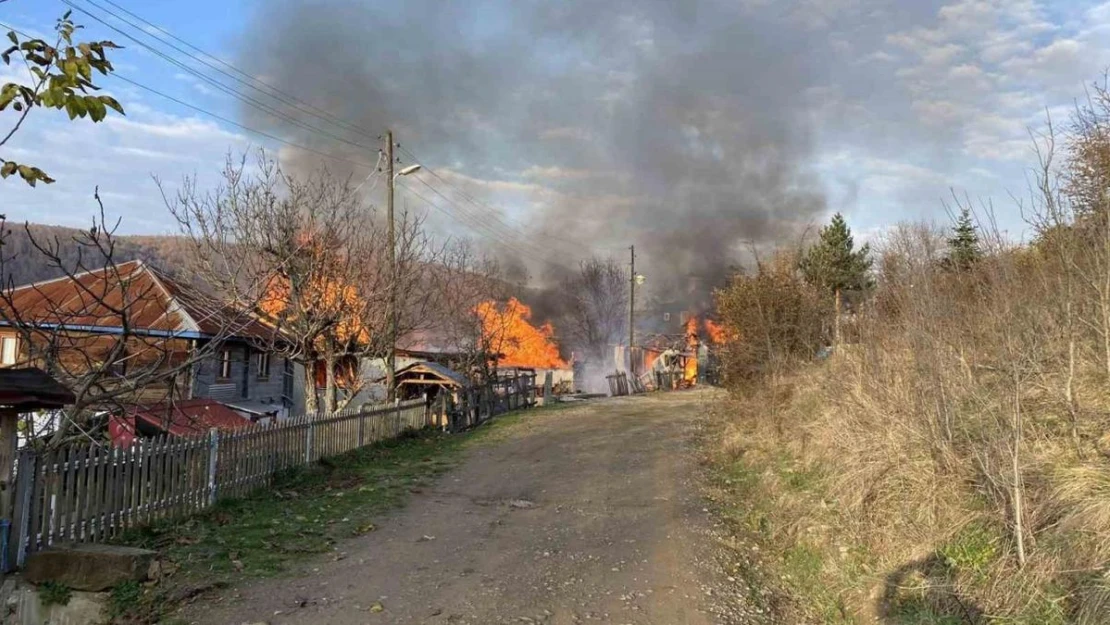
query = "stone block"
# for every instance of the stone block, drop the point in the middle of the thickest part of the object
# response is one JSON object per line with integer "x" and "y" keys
{"x": 88, "y": 567}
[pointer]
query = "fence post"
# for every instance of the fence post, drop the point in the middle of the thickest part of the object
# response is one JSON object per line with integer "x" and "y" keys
{"x": 213, "y": 463}
{"x": 21, "y": 523}
{"x": 361, "y": 427}
{"x": 310, "y": 434}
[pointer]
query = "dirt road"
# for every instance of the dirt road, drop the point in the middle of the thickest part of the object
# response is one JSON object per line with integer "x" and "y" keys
{"x": 580, "y": 515}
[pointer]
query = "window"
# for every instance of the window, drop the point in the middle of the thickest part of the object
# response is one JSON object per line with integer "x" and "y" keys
{"x": 8, "y": 351}
{"x": 666, "y": 316}
{"x": 225, "y": 364}
{"x": 263, "y": 365}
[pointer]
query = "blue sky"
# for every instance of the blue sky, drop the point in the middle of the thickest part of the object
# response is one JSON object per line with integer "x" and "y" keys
{"x": 908, "y": 103}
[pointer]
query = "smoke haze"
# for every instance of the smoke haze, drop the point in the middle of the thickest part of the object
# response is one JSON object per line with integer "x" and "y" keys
{"x": 681, "y": 127}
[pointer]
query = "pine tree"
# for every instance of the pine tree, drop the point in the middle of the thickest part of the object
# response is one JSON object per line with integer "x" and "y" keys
{"x": 963, "y": 247}
{"x": 834, "y": 263}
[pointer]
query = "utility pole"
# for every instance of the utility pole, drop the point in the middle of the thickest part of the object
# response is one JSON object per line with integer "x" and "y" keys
{"x": 631, "y": 307}
{"x": 391, "y": 313}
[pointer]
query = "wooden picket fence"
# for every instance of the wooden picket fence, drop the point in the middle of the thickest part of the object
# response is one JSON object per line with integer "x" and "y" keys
{"x": 91, "y": 493}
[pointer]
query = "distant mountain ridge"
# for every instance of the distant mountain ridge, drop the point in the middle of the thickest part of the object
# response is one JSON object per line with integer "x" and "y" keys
{"x": 26, "y": 264}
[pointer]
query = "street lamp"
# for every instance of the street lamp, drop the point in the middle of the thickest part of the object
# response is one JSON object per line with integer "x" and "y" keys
{"x": 411, "y": 169}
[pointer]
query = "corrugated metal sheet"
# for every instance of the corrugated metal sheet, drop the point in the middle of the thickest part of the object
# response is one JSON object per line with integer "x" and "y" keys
{"x": 154, "y": 303}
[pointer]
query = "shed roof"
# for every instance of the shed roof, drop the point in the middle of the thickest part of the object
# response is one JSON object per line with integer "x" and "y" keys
{"x": 189, "y": 417}
{"x": 28, "y": 389}
{"x": 438, "y": 371}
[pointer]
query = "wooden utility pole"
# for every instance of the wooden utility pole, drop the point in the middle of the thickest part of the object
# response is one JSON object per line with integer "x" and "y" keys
{"x": 391, "y": 312}
{"x": 631, "y": 307}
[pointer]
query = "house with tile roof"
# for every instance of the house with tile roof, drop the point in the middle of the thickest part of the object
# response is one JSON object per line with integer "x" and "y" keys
{"x": 131, "y": 321}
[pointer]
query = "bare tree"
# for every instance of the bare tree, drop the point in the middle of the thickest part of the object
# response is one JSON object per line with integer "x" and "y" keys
{"x": 103, "y": 329}
{"x": 321, "y": 260}
{"x": 596, "y": 306}
{"x": 464, "y": 280}
{"x": 278, "y": 241}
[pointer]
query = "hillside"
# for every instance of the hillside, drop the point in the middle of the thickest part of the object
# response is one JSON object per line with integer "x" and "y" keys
{"x": 24, "y": 263}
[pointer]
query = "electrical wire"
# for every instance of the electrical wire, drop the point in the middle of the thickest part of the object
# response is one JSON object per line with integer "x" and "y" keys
{"x": 493, "y": 212}
{"x": 242, "y": 97}
{"x": 281, "y": 95}
{"x": 290, "y": 100}
{"x": 476, "y": 225}
{"x": 221, "y": 118}
{"x": 489, "y": 224}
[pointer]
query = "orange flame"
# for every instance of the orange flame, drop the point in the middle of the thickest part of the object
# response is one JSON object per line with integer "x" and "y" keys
{"x": 328, "y": 295}
{"x": 718, "y": 334}
{"x": 511, "y": 334}
{"x": 690, "y": 371}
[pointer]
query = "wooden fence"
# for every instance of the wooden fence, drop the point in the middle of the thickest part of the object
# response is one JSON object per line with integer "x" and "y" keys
{"x": 91, "y": 493}
{"x": 476, "y": 404}
{"x": 621, "y": 383}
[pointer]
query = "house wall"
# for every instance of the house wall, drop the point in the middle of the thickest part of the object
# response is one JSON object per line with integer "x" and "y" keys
{"x": 78, "y": 353}
{"x": 207, "y": 384}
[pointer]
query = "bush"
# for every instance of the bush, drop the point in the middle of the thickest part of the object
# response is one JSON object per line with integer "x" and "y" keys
{"x": 774, "y": 319}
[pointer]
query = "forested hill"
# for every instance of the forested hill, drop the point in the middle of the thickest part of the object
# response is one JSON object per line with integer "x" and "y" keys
{"x": 26, "y": 264}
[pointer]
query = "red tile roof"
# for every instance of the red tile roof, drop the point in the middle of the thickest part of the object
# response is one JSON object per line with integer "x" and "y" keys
{"x": 189, "y": 417}
{"x": 155, "y": 303}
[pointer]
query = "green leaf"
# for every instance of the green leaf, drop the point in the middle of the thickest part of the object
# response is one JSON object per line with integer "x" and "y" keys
{"x": 12, "y": 37}
{"x": 8, "y": 93}
{"x": 111, "y": 103}
{"x": 75, "y": 107}
{"x": 7, "y": 54}
{"x": 69, "y": 66}
{"x": 7, "y": 169}
{"x": 95, "y": 107}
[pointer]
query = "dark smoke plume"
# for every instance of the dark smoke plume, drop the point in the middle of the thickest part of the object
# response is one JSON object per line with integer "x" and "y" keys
{"x": 679, "y": 126}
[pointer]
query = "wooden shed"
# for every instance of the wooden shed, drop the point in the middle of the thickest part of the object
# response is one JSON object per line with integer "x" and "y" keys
{"x": 430, "y": 381}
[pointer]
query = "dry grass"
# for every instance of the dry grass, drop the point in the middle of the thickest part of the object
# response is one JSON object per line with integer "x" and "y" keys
{"x": 950, "y": 463}
{"x": 891, "y": 465}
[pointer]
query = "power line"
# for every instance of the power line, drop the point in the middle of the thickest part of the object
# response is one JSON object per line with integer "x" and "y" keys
{"x": 248, "y": 100}
{"x": 506, "y": 234}
{"x": 288, "y": 97}
{"x": 497, "y": 228}
{"x": 493, "y": 211}
{"x": 477, "y": 226}
{"x": 221, "y": 118}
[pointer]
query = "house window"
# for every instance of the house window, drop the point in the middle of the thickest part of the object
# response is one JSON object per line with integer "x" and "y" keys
{"x": 8, "y": 351}
{"x": 225, "y": 364}
{"x": 666, "y": 316}
{"x": 263, "y": 365}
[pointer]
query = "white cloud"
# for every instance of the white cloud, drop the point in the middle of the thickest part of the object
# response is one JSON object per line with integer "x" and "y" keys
{"x": 556, "y": 173}
{"x": 119, "y": 156}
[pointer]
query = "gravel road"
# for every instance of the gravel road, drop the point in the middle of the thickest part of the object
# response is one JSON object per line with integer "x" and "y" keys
{"x": 591, "y": 514}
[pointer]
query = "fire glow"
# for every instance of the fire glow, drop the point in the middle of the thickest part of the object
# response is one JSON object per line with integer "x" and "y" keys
{"x": 510, "y": 333}
{"x": 714, "y": 333}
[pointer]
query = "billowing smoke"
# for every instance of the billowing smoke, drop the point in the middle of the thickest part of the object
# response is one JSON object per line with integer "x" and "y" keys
{"x": 680, "y": 127}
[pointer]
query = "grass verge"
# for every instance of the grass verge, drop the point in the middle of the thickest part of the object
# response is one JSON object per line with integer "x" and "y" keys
{"x": 307, "y": 512}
